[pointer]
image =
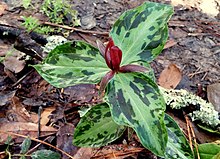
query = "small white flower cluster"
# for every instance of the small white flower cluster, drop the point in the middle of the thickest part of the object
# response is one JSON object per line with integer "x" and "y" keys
{"x": 53, "y": 41}
{"x": 177, "y": 99}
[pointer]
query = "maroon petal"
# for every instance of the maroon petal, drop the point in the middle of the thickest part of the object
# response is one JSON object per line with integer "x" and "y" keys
{"x": 101, "y": 47}
{"x": 107, "y": 53}
{"x": 116, "y": 55}
{"x": 105, "y": 80}
{"x": 133, "y": 68}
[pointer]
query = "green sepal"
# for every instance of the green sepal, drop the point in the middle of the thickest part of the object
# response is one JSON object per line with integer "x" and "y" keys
{"x": 97, "y": 128}
{"x": 73, "y": 63}
{"x": 177, "y": 145}
{"x": 135, "y": 101}
{"x": 141, "y": 33}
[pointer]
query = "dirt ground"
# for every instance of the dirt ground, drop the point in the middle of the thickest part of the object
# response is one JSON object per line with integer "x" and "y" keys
{"x": 193, "y": 46}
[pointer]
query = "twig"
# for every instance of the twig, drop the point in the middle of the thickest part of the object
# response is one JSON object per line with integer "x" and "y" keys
{"x": 194, "y": 139}
{"x": 204, "y": 76}
{"x": 203, "y": 34}
{"x": 196, "y": 72}
{"x": 188, "y": 131}
{"x": 117, "y": 154}
{"x": 39, "y": 119}
{"x": 35, "y": 147}
{"x": 75, "y": 29}
{"x": 22, "y": 78}
{"x": 37, "y": 140}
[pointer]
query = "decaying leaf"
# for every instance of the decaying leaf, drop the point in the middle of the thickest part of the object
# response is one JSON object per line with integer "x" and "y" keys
{"x": 84, "y": 152}
{"x": 3, "y": 7}
{"x": 170, "y": 77}
{"x": 45, "y": 115}
{"x": 213, "y": 92}
{"x": 18, "y": 111}
{"x": 28, "y": 129}
{"x": 6, "y": 97}
{"x": 13, "y": 62}
{"x": 64, "y": 142}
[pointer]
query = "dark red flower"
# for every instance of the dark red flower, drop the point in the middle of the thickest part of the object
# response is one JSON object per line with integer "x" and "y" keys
{"x": 113, "y": 56}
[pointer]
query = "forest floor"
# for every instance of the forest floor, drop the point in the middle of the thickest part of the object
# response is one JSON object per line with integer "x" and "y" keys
{"x": 193, "y": 47}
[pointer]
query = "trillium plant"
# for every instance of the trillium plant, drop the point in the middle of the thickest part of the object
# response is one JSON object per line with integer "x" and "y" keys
{"x": 127, "y": 83}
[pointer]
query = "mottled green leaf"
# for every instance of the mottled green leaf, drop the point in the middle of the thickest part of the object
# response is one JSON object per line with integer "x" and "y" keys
{"x": 135, "y": 101}
{"x": 177, "y": 145}
{"x": 208, "y": 150}
{"x": 25, "y": 145}
{"x": 96, "y": 128}
{"x": 73, "y": 63}
{"x": 45, "y": 154}
{"x": 142, "y": 32}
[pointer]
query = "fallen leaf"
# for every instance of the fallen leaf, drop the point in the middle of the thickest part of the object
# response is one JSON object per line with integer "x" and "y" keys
{"x": 27, "y": 129}
{"x": 45, "y": 115}
{"x": 13, "y": 63}
{"x": 18, "y": 112}
{"x": 119, "y": 151}
{"x": 213, "y": 93}
{"x": 3, "y": 7}
{"x": 170, "y": 77}
{"x": 3, "y": 48}
{"x": 83, "y": 152}
{"x": 64, "y": 142}
{"x": 6, "y": 97}
{"x": 82, "y": 93}
{"x": 170, "y": 43}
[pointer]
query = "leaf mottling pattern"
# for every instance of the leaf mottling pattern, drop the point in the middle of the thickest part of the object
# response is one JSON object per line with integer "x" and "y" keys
{"x": 177, "y": 145}
{"x": 97, "y": 128}
{"x": 135, "y": 101}
{"x": 73, "y": 63}
{"x": 141, "y": 33}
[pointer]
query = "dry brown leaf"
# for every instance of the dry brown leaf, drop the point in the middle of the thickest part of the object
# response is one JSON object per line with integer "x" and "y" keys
{"x": 5, "y": 97}
{"x": 18, "y": 112}
{"x": 45, "y": 115}
{"x": 27, "y": 129}
{"x": 169, "y": 44}
{"x": 13, "y": 62}
{"x": 118, "y": 151}
{"x": 83, "y": 152}
{"x": 3, "y": 7}
{"x": 170, "y": 77}
{"x": 213, "y": 93}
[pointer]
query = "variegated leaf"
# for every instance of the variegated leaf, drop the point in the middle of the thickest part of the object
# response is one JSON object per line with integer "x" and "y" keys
{"x": 177, "y": 145}
{"x": 73, "y": 63}
{"x": 142, "y": 32}
{"x": 97, "y": 128}
{"x": 135, "y": 101}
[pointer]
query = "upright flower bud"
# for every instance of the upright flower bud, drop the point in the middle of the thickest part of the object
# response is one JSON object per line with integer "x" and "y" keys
{"x": 113, "y": 56}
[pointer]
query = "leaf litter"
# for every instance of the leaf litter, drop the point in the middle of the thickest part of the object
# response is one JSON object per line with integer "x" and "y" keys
{"x": 186, "y": 49}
